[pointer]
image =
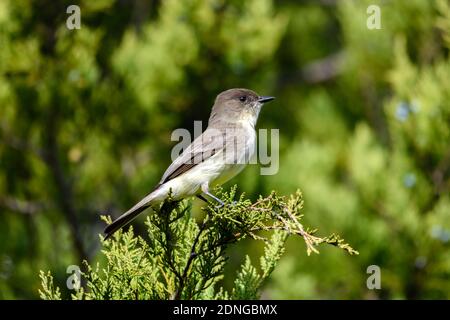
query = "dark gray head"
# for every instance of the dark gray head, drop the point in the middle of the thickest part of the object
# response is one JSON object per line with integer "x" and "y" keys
{"x": 237, "y": 105}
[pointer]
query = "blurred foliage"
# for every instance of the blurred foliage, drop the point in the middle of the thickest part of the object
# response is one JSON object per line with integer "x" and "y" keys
{"x": 364, "y": 119}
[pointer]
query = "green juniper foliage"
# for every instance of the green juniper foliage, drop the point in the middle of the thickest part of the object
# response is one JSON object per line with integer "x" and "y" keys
{"x": 185, "y": 259}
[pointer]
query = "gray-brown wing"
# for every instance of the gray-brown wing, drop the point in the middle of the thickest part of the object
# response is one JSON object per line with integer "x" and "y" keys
{"x": 202, "y": 148}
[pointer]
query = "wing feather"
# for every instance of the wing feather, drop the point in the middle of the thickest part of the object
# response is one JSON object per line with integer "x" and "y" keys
{"x": 201, "y": 149}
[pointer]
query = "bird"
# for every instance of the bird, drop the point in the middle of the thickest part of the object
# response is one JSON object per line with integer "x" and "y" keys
{"x": 214, "y": 157}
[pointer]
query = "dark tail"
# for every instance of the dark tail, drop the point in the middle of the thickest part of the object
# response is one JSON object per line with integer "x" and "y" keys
{"x": 128, "y": 216}
{"x": 124, "y": 219}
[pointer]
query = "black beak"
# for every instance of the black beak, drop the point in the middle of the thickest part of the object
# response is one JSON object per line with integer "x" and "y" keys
{"x": 264, "y": 99}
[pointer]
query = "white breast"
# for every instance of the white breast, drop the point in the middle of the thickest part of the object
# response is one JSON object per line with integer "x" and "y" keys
{"x": 216, "y": 170}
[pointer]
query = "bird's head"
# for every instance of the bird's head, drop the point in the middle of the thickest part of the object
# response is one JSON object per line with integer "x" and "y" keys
{"x": 237, "y": 105}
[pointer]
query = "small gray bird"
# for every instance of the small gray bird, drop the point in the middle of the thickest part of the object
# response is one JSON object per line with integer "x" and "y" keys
{"x": 213, "y": 158}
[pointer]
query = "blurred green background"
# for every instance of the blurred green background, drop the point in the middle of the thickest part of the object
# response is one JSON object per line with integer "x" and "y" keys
{"x": 364, "y": 117}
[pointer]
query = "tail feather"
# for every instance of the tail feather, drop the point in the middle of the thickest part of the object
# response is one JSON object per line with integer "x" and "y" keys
{"x": 128, "y": 216}
{"x": 122, "y": 221}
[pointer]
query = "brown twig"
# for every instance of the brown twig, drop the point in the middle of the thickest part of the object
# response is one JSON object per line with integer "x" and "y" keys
{"x": 177, "y": 294}
{"x": 64, "y": 187}
{"x": 25, "y": 207}
{"x": 318, "y": 71}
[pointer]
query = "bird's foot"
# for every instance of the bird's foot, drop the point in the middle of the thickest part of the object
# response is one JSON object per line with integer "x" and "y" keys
{"x": 220, "y": 205}
{"x": 223, "y": 204}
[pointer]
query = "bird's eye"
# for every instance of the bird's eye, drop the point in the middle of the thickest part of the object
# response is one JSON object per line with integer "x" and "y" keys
{"x": 243, "y": 98}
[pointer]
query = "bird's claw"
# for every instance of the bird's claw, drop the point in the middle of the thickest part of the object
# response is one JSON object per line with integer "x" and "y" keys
{"x": 222, "y": 204}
